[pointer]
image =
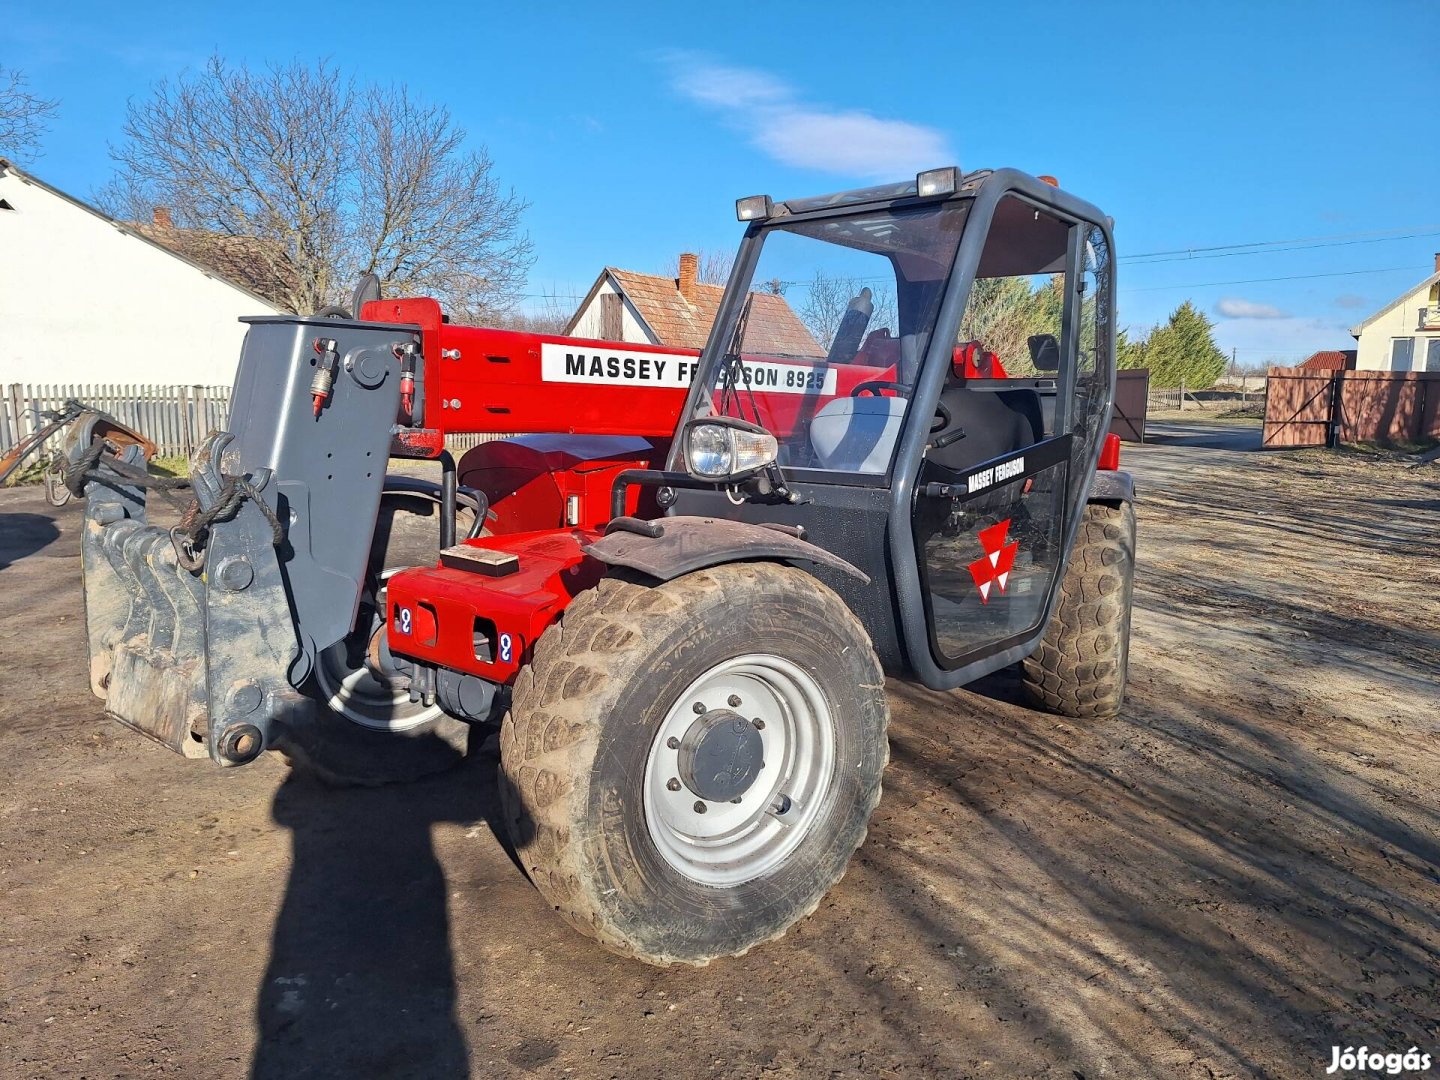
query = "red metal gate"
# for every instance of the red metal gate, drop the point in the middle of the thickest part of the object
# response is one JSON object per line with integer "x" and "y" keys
{"x": 1299, "y": 407}
{"x": 1132, "y": 399}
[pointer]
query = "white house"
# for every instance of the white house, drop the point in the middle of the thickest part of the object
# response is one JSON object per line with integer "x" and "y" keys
{"x": 1404, "y": 335}
{"x": 86, "y": 299}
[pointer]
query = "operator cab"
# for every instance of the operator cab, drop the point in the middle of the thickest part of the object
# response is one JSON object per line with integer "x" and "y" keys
{"x": 919, "y": 377}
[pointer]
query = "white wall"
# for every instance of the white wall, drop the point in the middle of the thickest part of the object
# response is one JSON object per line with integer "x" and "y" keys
{"x": 588, "y": 324}
{"x": 83, "y": 302}
{"x": 1373, "y": 347}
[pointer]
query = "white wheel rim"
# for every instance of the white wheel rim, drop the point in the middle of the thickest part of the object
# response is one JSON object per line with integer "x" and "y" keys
{"x": 360, "y": 697}
{"x": 731, "y": 843}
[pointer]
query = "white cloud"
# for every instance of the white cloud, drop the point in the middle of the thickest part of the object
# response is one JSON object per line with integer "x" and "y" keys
{"x": 1232, "y": 307}
{"x": 726, "y": 87}
{"x": 847, "y": 141}
{"x": 1351, "y": 300}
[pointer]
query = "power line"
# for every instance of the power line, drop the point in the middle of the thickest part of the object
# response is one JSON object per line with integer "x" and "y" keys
{"x": 1219, "y": 251}
{"x": 1269, "y": 250}
{"x": 1286, "y": 277}
{"x": 1333, "y": 240}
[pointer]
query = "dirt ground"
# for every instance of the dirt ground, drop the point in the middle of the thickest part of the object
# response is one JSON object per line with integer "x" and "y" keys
{"x": 1236, "y": 874}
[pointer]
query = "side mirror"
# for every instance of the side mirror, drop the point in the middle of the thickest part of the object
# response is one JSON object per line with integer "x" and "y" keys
{"x": 1044, "y": 352}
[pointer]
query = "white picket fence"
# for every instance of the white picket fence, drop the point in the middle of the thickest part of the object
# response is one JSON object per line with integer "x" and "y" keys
{"x": 175, "y": 418}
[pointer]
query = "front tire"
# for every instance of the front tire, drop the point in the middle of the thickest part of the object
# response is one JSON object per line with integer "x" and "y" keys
{"x": 1080, "y": 666}
{"x": 604, "y": 727}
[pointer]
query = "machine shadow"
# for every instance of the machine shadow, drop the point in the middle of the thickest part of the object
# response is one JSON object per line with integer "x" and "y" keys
{"x": 23, "y": 534}
{"x": 361, "y": 978}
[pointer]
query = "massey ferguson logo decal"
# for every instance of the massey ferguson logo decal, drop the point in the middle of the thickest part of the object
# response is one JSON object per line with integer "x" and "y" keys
{"x": 994, "y": 568}
{"x": 635, "y": 367}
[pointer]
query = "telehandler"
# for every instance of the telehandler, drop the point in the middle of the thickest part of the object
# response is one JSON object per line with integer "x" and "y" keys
{"x": 680, "y": 593}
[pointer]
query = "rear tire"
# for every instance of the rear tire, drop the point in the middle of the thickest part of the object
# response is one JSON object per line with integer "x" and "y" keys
{"x": 1080, "y": 667}
{"x": 586, "y": 749}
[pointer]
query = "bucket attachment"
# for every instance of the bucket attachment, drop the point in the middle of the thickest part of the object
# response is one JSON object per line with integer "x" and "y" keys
{"x": 202, "y": 639}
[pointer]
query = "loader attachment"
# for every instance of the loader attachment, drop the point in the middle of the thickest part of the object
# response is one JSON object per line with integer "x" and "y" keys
{"x": 203, "y": 638}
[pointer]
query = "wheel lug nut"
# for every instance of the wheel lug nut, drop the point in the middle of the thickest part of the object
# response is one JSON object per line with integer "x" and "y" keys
{"x": 698, "y": 708}
{"x": 673, "y": 784}
{"x": 673, "y": 743}
{"x": 759, "y": 724}
{"x": 734, "y": 701}
{"x": 699, "y": 807}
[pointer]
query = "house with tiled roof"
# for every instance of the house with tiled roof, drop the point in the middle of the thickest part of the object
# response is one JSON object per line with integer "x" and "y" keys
{"x": 261, "y": 266}
{"x": 86, "y": 299}
{"x": 1404, "y": 335}
{"x": 624, "y": 305}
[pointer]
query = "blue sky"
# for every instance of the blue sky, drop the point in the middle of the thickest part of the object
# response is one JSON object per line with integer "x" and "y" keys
{"x": 631, "y": 128}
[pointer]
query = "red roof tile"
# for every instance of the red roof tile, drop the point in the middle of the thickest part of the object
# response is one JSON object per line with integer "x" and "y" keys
{"x": 774, "y": 328}
{"x": 258, "y": 265}
{"x": 1331, "y": 360}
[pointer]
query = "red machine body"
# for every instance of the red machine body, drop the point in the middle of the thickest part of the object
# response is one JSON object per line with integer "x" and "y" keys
{"x": 481, "y": 380}
{"x": 486, "y": 625}
{"x": 576, "y": 412}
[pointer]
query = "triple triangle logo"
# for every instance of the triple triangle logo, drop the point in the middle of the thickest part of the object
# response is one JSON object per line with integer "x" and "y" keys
{"x": 994, "y": 568}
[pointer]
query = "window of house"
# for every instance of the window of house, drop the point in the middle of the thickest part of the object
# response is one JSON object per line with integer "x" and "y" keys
{"x": 1402, "y": 352}
{"x": 1432, "y": 355}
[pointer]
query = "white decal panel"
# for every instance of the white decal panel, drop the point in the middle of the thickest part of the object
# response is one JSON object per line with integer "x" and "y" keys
{"x": 571, "y": 364}
{"x": 635, "y": 367}
{"x": 817, "y": 378}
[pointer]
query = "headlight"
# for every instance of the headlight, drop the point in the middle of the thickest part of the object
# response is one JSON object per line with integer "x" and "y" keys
{"x": 716, "y": 451}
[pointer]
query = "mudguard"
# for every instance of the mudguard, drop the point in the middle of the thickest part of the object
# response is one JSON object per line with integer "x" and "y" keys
{"x": 681, "y": 545}
{"x": 1112, "y": 486}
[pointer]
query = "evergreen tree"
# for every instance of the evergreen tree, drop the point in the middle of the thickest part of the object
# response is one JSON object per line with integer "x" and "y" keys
{"x": 1130, "y": 354}
{"x": 1184, "y": 350}
{"x": 1004, "y": 312}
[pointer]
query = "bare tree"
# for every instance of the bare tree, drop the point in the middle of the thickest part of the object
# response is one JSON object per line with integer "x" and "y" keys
{"x": 551, "y": 316}
{"x": 332, "y": 179}
{"x": 714, "y": 267}
{"x": 827, "y": 298}
{"x": 24, "y": 118}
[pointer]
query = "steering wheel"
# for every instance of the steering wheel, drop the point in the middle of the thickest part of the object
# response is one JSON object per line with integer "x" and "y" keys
{"x": 874, "y": 386}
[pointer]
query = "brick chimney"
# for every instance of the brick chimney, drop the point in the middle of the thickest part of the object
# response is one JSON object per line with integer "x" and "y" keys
{"x": 161, "y": 217}
{"x": 1437, "y": 262}
{"x": 689, "y": 273}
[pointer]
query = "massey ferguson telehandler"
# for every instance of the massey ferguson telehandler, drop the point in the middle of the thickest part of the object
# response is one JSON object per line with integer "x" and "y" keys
{"x": 680, "y": 593}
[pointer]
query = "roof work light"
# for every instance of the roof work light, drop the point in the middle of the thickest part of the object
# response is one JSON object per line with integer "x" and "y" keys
{"x": 937, "y": 181}
{"x": 754, "y": 208}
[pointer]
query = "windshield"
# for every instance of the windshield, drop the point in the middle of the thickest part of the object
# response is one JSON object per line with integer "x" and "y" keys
{"x": 826, "y": 347}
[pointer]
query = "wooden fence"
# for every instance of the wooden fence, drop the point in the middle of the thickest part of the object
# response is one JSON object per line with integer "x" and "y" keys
{"x": 1131, "y": 404}
{"x": 1325, "y": 408}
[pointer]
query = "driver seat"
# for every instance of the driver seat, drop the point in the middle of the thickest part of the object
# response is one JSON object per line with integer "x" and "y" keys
{"x": 857, "y": 434}
{"x": 995, "y": 422}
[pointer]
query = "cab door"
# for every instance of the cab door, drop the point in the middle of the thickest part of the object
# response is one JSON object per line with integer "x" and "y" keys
{"x": 1009, "y": 459}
